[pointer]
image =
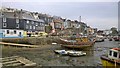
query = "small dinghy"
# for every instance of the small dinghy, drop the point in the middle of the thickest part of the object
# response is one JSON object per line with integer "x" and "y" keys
{"x": 76, "y": 53}
{"x": 71, "y": 53}
{"x": 61, "y": 52}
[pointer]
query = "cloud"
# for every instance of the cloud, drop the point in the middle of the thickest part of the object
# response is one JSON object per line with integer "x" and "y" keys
{"x": 102, "y": 23}
{"x": 96, "y": 14}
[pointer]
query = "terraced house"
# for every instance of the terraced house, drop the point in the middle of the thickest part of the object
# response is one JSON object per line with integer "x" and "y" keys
{"x": 19, "y": 23}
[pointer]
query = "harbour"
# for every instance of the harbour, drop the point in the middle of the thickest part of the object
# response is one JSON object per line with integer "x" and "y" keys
{"x": 57, "y": 34}
{"x": 45, "y": 55}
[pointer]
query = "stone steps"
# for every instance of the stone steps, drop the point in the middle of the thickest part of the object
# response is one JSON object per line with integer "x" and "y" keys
{"x": 16, "y": 61}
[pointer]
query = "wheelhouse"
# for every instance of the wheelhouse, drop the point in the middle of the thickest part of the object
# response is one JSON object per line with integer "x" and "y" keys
{"x": 114, "y": 53}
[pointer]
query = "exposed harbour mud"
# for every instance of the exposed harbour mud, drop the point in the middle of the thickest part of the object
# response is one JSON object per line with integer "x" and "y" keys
{"x": 45, "y": 55}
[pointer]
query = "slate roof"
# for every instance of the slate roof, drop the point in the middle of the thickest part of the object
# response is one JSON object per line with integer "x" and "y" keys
{"x": 21, "y": 15}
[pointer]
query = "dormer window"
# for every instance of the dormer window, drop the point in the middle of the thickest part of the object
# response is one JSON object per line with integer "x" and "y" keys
{"x": 32, "y": 22}
{"x": 40, "y": 23}
{"x": 4, "y": 19}
{"x": 17, "y": 20}
{"x": 27, "y": 21}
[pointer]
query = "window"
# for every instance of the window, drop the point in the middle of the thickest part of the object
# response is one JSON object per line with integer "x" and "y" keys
{"x": 36, "y": 33}
{"x": 17, "y": 20}
{"x": 32, "y": 22}
{"x": 4, "y": 25}
{"x": 114, "y": 54}
{"x": 26, "y": 26}
{"x": 30, "y": 27}
{"x": 45, "y": 19}
{"x": 14, "y": 31}
{"x": 20, "y": 34}
{"x": 27, "y": 21}
{"x": 17, "y": 26}
{"x": 4, "y": 19}
{"x": 7, "y": 31}
{"x": 110, "y": 53}
{"x": 33, "y": 27}
{"x": 40, "y": 24}
{"x": 36, "y": 24}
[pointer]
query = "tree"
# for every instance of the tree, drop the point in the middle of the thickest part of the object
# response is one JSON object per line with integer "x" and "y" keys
{"x": 114, "y": 31}
{"x": 48, "y": 29}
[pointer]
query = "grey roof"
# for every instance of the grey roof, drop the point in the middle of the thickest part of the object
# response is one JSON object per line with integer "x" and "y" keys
{"x": 29, "y": 16}
{"x": 21, "y": 15}
{"x": 9, "y": 14}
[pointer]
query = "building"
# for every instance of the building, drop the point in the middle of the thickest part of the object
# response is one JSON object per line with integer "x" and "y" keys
{"x": 83, "y": 28}
{"x": 67, "y": 24}
{"x": 91, "y": 31}
{"x": 100, "y": 32}
{"x": 46, "y": 18}
{"x": 107, "y": 32}
{"x": 19, "y": 23}
{"x": 58, "y": 24}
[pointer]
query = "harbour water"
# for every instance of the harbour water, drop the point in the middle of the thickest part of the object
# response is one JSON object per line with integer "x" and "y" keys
{"x": 45, "y": 55}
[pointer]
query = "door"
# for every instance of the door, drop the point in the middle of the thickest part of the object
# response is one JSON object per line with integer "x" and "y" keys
{"x": 20, "y": 34}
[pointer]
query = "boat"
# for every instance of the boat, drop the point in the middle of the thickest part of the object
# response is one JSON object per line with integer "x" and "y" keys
{"x": 61, "y": 52}
{"x": 116, "y": 38}
{"x": 76, "y": 46}
{"x": 71, "y": 53}
{"x": 110, "y": 39}
{"x": 76, "y": 42}
{"x": 76, "y": 53}
{"x": 112, "y": 59}
{"x": 99, "y": 38}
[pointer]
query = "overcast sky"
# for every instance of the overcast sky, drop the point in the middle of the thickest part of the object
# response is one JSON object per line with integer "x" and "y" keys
{"x": 101, "y": 15}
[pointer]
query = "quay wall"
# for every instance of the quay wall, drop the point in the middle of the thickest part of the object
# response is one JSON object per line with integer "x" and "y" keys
{"x": 32, "y": 41}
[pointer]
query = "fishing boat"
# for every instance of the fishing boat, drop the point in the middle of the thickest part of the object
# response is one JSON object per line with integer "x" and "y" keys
{"x": 76, "y": 42}
{"x": 112, "y": 59}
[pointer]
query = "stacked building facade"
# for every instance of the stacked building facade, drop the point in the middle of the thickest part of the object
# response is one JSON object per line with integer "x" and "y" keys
{"x": 19, "y": 23}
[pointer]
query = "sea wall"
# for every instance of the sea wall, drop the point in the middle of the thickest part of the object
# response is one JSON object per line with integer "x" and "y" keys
{"x": 32, "y": 41}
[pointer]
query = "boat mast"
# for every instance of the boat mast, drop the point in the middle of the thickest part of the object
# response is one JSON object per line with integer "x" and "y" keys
{"x": 79, "y": 18}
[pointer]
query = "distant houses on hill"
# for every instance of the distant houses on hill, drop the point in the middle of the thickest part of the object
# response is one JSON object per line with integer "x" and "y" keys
{"x": 17, "y": 23}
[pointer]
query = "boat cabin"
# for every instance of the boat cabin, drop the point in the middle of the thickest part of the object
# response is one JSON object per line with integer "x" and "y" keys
{"x": 114, "y": 53}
